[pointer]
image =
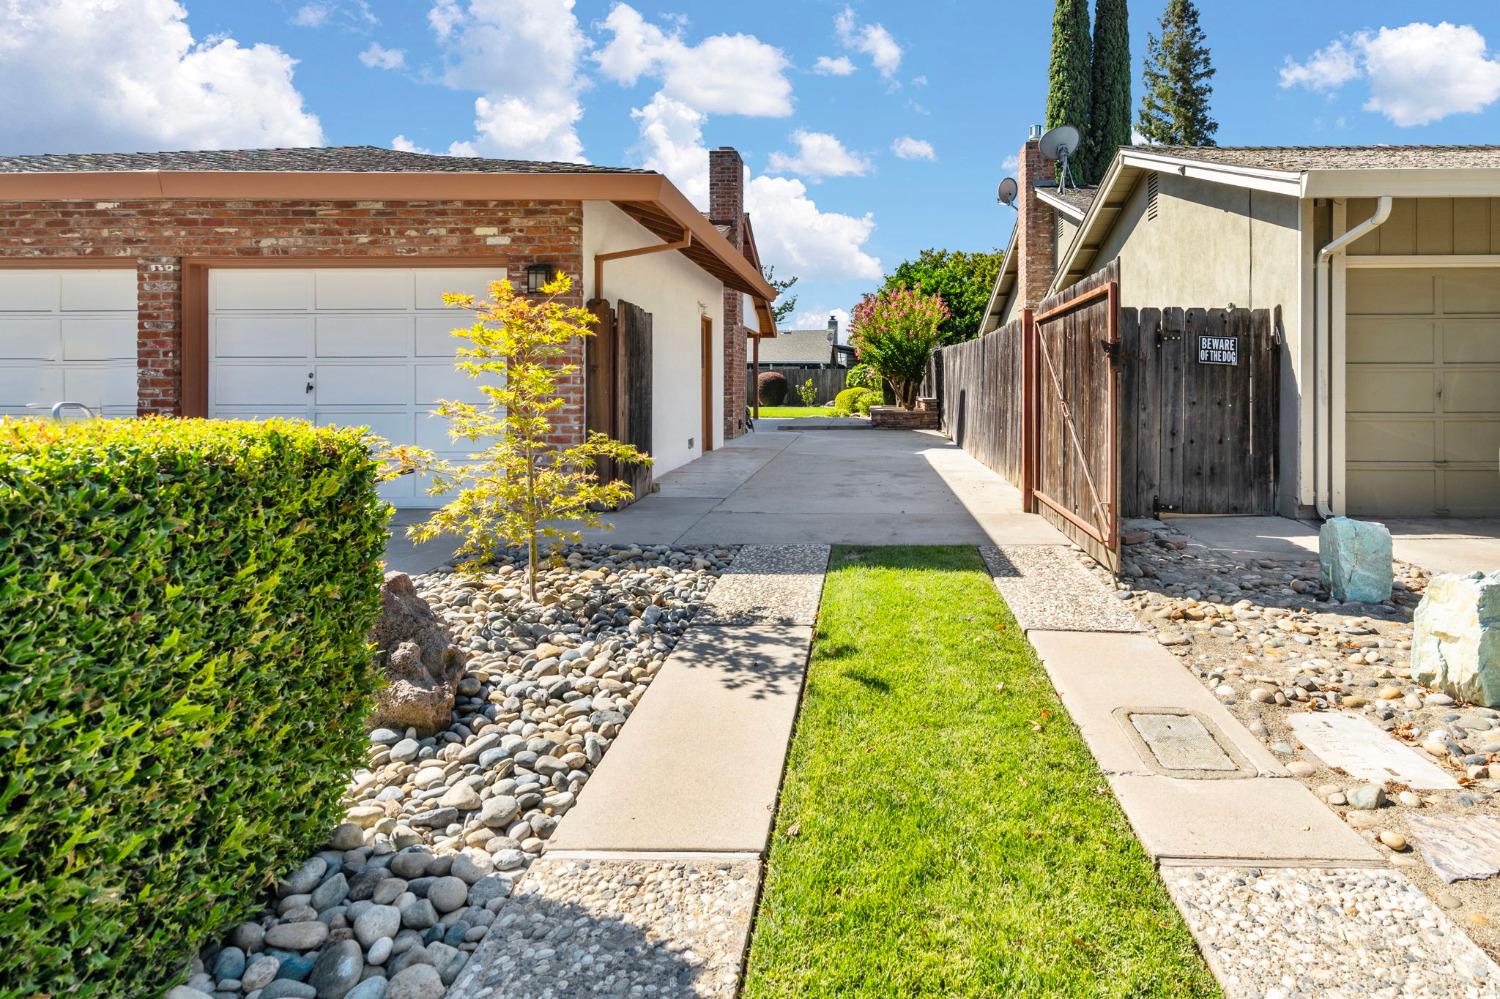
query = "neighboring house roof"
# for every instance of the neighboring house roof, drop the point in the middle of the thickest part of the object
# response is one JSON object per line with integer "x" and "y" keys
{"x": 1294, "y": 171}
{"x": 367, "y": 172}
{"x": 1071, "y": 201}
{"x": 1005, "y": 284}
{"x": 797, "y": 347}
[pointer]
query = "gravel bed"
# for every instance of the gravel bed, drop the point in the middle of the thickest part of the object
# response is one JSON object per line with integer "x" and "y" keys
{"x": 1267, "y": 639}
{"x": 672, "y": 929}
{"x": 769, "y": 584}
{"x": 1048, "y": 590}
{"x": 438, "y": 828}
{"x": 1339, "y": 932}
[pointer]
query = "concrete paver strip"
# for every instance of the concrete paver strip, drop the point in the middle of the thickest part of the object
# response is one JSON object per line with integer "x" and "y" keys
{"x": 673, "y": 929}
{"x": 1097, "y": 673}
{"x": 1333, "y": 932}
{"x": 1048, "y": 590}
{"x": 1264, "y": 819}
{"x": 773, "y": 584}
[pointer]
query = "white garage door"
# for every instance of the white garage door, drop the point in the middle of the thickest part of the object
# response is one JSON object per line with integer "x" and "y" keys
{"x": 347, "y": 346}
{"x": 1422, "y": 426}
{"x": 68, "y": 335}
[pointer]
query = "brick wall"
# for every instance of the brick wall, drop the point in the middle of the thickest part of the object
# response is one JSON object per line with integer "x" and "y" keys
{"x": 726, "y": 206}
{"x": 158, "y": 234}
{"x": 1037, "y": 241}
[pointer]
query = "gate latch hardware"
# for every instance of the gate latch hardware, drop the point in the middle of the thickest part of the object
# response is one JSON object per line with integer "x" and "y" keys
{"x": 1158, "y": 507}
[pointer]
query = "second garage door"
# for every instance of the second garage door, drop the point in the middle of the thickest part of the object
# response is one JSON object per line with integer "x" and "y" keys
{"x": 345, "y": 346}
{"x": 1422, "y": 425}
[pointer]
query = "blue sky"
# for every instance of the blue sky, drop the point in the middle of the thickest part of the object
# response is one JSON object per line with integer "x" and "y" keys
{"x": 871, "y": 129}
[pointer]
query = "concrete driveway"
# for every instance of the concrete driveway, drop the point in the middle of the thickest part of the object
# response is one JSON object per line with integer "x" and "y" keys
{"x": 838, "y": 486}
{"x": 1436, "y": 544}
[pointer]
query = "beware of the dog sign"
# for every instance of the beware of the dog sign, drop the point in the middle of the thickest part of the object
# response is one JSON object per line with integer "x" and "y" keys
{"x": 1218, "y": 349}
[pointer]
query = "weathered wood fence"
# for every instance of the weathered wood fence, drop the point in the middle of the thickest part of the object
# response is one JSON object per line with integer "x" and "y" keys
{"x": 617, "y": 386}
{"x": 1097, "y": 413}
{"x": 828, "y": 381}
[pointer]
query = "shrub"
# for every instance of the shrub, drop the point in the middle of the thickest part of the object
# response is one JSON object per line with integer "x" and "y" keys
{"x": 771, "y": 388}
{"x": 895, "y": 332}
{"x": 862, "y": 376}
{"x": 854, "y": 400}
{"x": 184, "y": 678}
{"x": 808, "y": 392}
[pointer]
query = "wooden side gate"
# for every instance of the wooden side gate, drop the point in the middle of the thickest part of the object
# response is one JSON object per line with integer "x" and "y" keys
{"x": 1071, "y": 471}
{"x": 617, "y": 386}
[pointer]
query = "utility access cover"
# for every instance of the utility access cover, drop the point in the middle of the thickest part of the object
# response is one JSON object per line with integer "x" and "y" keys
{"x": 1181, "y": 743}
{"x": 1361, "y": 749}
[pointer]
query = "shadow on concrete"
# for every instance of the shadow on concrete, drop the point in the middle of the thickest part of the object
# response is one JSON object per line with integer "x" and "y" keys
{"x": 762, "y": 659}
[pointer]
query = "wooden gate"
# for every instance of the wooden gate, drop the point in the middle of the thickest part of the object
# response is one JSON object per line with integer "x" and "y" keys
{"x": 1201, "y": 390}
{"x": 617, "y": 372}
{"x": 1073, "y": 473}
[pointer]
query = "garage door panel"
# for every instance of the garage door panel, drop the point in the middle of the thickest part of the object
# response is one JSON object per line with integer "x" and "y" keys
{"x": 431, "y": 285}
{"x": 29, "y": 384}
{"x": 1473, "y": 440}
{"x": 257, "y": 385}
{"x": 29, "y": 291}
{"x": 97, "y": 291}
{"x": 1381, "y": 390}
{"x": 392, "y": 426}
{"x": 1382, "y": 292}
{"x": 262, "y": 336}
{"x": 1390, "y": 341}
{"x": 435, "y": 334}
{"x": 438, "y": 381}
{"x": 1472, "y": 492}
{"x": 98, "y": 339}
{"x": 362, "y": 288}
{"x": 1471, "y": 391}
{"x": 1391, "y": 440}
{"x": 1471, "y": 341}
{"x": 101, "y": 385}
{"x": 1467, "y": 290}
{"x": 364, "y": 336}
{"x": 30, "y": 337}
{"x": 1401, "y": 491}
{"x": 260, "y": 289}
{"x": 362, "y": 384}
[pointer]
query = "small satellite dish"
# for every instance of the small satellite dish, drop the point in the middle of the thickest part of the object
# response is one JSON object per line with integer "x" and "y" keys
{"x": 1059, "y": 144}
{"x": 1006, "y": 195}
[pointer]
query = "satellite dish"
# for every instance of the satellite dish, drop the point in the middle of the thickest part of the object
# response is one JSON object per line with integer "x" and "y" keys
{"x": 1058, "y": 144}
{"x": 1006, "y": 195}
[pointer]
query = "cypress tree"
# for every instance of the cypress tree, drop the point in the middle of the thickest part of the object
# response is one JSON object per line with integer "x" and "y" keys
{"x": 1109, "y": 116}
{"x": 1068, "y": 74}
{"x": 1174, "y": 108}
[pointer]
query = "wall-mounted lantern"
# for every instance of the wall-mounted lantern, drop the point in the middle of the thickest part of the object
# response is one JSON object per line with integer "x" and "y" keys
{"x": 538, "y": 275}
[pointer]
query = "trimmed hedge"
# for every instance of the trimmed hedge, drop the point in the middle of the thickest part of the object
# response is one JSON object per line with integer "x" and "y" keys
{"x": 772, "y": 388}
{"x": 184, "y": 678}
{"x": 854, "y": 400}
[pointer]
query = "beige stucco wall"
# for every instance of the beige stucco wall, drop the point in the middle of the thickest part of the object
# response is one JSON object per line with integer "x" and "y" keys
{"x": 1427, "y": 226}
{"x": 1066, "y": 230}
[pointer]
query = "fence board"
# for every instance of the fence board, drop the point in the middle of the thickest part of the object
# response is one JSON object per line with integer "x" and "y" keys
{"x": 829, "y": 382}
{"x": 981, "y": 398}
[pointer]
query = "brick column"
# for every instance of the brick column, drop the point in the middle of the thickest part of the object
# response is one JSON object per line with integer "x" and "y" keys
{"x": 158, "y": 282}
{"x": 726, "y": 206}
{"x": 1036, "y": 240}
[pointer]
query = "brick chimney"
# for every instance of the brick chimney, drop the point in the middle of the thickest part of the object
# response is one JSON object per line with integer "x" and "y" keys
{"x": 726, "y": 207}
{"x": 1036, "y": 240}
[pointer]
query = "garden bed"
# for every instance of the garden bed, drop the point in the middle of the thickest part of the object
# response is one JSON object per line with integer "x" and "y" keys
{"x": 437, "y": 828}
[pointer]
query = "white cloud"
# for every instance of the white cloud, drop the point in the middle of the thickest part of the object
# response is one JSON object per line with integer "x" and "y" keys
{"x": 1011, "y": 163}
{"x": 522, "y": 55}
{"x": 722, "y": 74}
{"x": 108, "y": 76}
{"x": 1326, "y": 69}
{"x": 377, "y": 56}
{"x": 817, "y": 319}
{"x": 871, "y": 40}
{"x": 791, "y": 232}
{"x": 1418, "y": 73}
{"x": 819, "y": 155}
{"x": 317, "y": 13}
{"x": 402, "y": 144}
{"x": 908, "y": 148}
{"x": 830, "y": 66}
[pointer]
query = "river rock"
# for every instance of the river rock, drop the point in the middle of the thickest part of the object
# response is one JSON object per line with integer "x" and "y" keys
{"x": 1456, "y": 637}
{"x": 337, "y": 969}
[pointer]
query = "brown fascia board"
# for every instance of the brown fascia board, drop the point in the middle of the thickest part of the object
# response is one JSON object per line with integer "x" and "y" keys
{"x": 248, "y": 185}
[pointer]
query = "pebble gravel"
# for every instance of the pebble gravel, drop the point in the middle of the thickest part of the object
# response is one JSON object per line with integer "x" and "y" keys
{"x": 768, "y": 584}
{"x": 1048, "y": 589}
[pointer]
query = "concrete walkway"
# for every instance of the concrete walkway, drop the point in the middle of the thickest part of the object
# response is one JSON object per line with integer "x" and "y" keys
{"x": 1436, "y": 544}
{"x": 859, "y": 486}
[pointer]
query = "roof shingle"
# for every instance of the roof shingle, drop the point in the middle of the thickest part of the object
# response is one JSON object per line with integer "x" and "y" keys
{"x": 318, "y": 159}
{"x": 1298, "y": 159}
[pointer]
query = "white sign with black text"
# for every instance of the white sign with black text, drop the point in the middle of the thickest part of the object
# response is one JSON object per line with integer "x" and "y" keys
{"x": 1218, "y": 349}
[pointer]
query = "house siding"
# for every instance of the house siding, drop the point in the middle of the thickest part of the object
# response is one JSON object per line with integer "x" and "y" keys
{"x": 1428, "y": 226}
{"x": 158, "y": 234}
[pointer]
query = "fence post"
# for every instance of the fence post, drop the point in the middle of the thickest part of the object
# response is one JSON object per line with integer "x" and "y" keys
{"x": 1028, "y": 410}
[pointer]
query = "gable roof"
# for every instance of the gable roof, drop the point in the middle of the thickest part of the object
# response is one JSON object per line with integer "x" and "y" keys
{"x": 1073, "y": 202}
{"x": 1005, "y": 284}
{"x": 1297, "y": 159}
{"x": 343, "y": 173}
{"x": 797, "y": 347}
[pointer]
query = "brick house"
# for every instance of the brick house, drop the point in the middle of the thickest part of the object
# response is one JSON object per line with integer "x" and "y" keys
{"x": 307, "y": 283}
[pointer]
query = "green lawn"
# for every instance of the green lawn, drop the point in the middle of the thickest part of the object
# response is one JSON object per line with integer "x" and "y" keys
{"x": 943, "y": 831}
{"x": 788, "y": 412}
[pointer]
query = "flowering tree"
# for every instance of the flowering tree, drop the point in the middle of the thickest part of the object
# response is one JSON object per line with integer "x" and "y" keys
{"x": 895, "y": 332}
{"x": 520, "y": 488}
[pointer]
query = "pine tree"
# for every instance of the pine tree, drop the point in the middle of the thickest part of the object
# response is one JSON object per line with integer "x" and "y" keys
{"x": 1109, "y": 117}
{"x": 1068, "y": 75}
{"x": 1174, "y": 108}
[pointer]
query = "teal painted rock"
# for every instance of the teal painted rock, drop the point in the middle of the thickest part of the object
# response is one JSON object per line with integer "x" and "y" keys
{"x": 1455, "y": 643}
{"x": 1356, "y": 560}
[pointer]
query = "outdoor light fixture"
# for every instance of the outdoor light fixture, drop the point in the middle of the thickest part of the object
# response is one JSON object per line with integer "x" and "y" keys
{"x": 538, "y": 275}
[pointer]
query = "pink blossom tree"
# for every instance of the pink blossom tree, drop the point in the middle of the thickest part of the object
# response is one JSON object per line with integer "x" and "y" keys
{"x": 895, "y": 332}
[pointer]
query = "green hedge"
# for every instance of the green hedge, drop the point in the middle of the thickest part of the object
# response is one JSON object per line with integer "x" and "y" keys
{"x": 854, "y": 400}
{"x": 183, "y": 681}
